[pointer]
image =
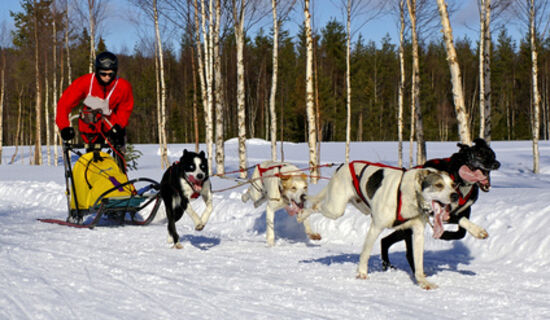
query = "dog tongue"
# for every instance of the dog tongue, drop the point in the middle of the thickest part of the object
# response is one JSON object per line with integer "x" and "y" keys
{"x": 293, "y": 208}
{"x": 473, "y": 176}
{"x": 440, "y": 214}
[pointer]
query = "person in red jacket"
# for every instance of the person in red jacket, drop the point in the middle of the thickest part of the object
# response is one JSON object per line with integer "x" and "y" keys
{"x": 107, "y": 104}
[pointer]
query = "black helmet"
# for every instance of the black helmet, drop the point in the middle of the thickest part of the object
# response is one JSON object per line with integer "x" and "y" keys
{"x": 106, "y": 61}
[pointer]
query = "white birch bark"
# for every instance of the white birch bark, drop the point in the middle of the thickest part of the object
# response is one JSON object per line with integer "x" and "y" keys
{"x": 484, "y": 6}
{"x": 163, "y": 143}
{"x": 2, "y": 92}
{"x": 47, "y": 112}
{"x": 535, "y": 118}
{"x": 348, "y": 79}
{"x": 312, "y": 129}
{"x": 54, "y": 86}
{"x": 18, "y": 139}
{"x": 487, "y": 73}
{"x": 91, "y": 4}
{"x": 38, "y": 106}
{"x": 200, "y": 62}
{"x": 458, "y": 95}
{"x": 238, "y": 17}
{"x": 401, "y": 83}
{"x": 218, "y": 82}
{"x": 415, "y": 87}
{"x": 208, "y": 77}
{"x": 275, "y": 62}
{"x": 67, "y": 48}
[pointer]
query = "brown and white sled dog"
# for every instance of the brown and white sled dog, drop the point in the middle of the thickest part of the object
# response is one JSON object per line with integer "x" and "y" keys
{"x": 282, "y": 185}
{"x": 394, "y": 198}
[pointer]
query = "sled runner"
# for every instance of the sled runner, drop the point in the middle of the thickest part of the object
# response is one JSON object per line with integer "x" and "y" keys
{"x": 98, "y": 189}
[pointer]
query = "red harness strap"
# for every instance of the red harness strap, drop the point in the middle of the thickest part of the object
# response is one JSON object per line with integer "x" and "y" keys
{"x": 263, "y": 170}
{"x": 357, "y": 187}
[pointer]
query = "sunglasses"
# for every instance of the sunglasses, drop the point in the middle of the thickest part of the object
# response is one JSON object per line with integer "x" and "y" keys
{"x": 107, "y": 74}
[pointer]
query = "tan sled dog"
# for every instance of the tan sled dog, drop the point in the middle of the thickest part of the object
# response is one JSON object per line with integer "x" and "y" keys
{"x": 394, "y": 198}
{"x": 282, "y": 185}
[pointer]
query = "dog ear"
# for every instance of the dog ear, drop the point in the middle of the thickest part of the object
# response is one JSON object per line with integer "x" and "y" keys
{"x": 185, "y": 152}
{"x": 202, "y": 154}
{"x": 479, "y": 142}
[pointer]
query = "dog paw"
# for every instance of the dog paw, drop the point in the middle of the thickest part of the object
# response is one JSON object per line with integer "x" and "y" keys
{"x": 386, "y": 265}
{"x": 177, "y": 245}
{"x": 314, "y": 236}
{"x": 361, "y": 276}
{"x": 426, "y": 285}
{"x": 482, "y": 234}
{"x": 199, "y": 227}
{"x": 245, "y": 197}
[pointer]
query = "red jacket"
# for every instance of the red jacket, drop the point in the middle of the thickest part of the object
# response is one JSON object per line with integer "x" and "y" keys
{"x": 121, "y": 101}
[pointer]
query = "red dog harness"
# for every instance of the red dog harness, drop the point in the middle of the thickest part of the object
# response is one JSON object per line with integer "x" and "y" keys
{"x": 357, "y": 187}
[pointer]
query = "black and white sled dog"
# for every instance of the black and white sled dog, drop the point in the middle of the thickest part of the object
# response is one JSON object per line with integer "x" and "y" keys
{"x": 282, "y": 185}
{"x": 470, "y": 169}
{"x": 186, "y": 179}
{"x": 395, "y": 198}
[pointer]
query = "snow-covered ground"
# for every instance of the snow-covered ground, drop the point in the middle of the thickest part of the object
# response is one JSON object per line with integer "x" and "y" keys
{"x": 226, "y": 271}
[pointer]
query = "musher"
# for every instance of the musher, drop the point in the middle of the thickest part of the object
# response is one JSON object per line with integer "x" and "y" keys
{"x": 108, "y": 102}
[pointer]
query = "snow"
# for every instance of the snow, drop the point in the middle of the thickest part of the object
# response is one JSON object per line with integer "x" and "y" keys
{"x": 226, "y": 271}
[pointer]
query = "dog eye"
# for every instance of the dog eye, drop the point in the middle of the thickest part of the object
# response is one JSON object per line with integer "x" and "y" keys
{"x": 191, "y": 167}
{"x": 439, "y": 185}
{"x": 293, "y": 189}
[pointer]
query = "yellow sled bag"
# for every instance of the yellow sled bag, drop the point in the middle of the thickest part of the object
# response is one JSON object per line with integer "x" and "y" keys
{"x": 95, "y": 174}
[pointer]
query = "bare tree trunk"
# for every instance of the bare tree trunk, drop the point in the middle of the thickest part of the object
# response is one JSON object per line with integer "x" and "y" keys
{"x": 163, "y": 143}
{"x": 415, "y": 87}
{"x": 2, "y": 92}
{"x": 458, "y": 95}
{"x": 239, "y": 35}
{"x": 312, "y": 130}
{"x": 220, "y": 154}
{"x": 195, "y": 102}
{"x": 487, "y": 73}
{"x": 401, "y": 83}
{"x": 47, "y": 110}
{"x": 535, "y": 118}
{"x": 18, "y": 139}
{"x": 200, "y": 60}
{"x": 54, "y": 84}
{"x": 209, "y": 81}
{"x": 348, "y": 79}
{"x": 38, "y": 107}
{"x": 67, "y": 49}
{"x": 484, "y": 70}
{"x": 91, "y": 4}
{"x": 272, "y": 111}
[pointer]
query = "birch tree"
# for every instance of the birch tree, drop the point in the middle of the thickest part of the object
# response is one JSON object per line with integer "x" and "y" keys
{"x": 534, "y": 84}
{"x": 162, "y": 121}
{"x": 38, "y": 106}
{"x": 367, "y": 10}
{"x": 458, "y": 95}
{"x": 238, "y": 18}
{"x": 67, "y": 46}
{"x": 275, "y": 62}
{"x": 401, "y": 92}
{"x": 416, "y": 112}
{"x": 91, "y": 20}
{"x": 219, "y": 96}
{"x": 484, "y": 76}
{"x": 310, "y": 105}
{"x": 2, "y": 92}
{"x": 54, "y": 82}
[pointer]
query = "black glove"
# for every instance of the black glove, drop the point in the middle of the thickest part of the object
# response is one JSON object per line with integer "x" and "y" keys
{"x": 67, "y": 133}
{"x": 116, "y": 134}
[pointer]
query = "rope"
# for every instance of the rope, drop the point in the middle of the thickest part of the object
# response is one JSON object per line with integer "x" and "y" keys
{"x": 247, "y": 181}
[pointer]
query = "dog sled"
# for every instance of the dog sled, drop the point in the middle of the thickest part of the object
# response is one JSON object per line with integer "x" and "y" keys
{"x": 99, "y": 192}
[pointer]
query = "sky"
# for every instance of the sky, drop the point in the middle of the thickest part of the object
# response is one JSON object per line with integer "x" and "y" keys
{"x": 121, "y": 34}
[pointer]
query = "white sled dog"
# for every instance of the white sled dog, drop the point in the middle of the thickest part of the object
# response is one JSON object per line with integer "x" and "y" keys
{"x": 395, "y": 198}
{"x": 282, "y": 185}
